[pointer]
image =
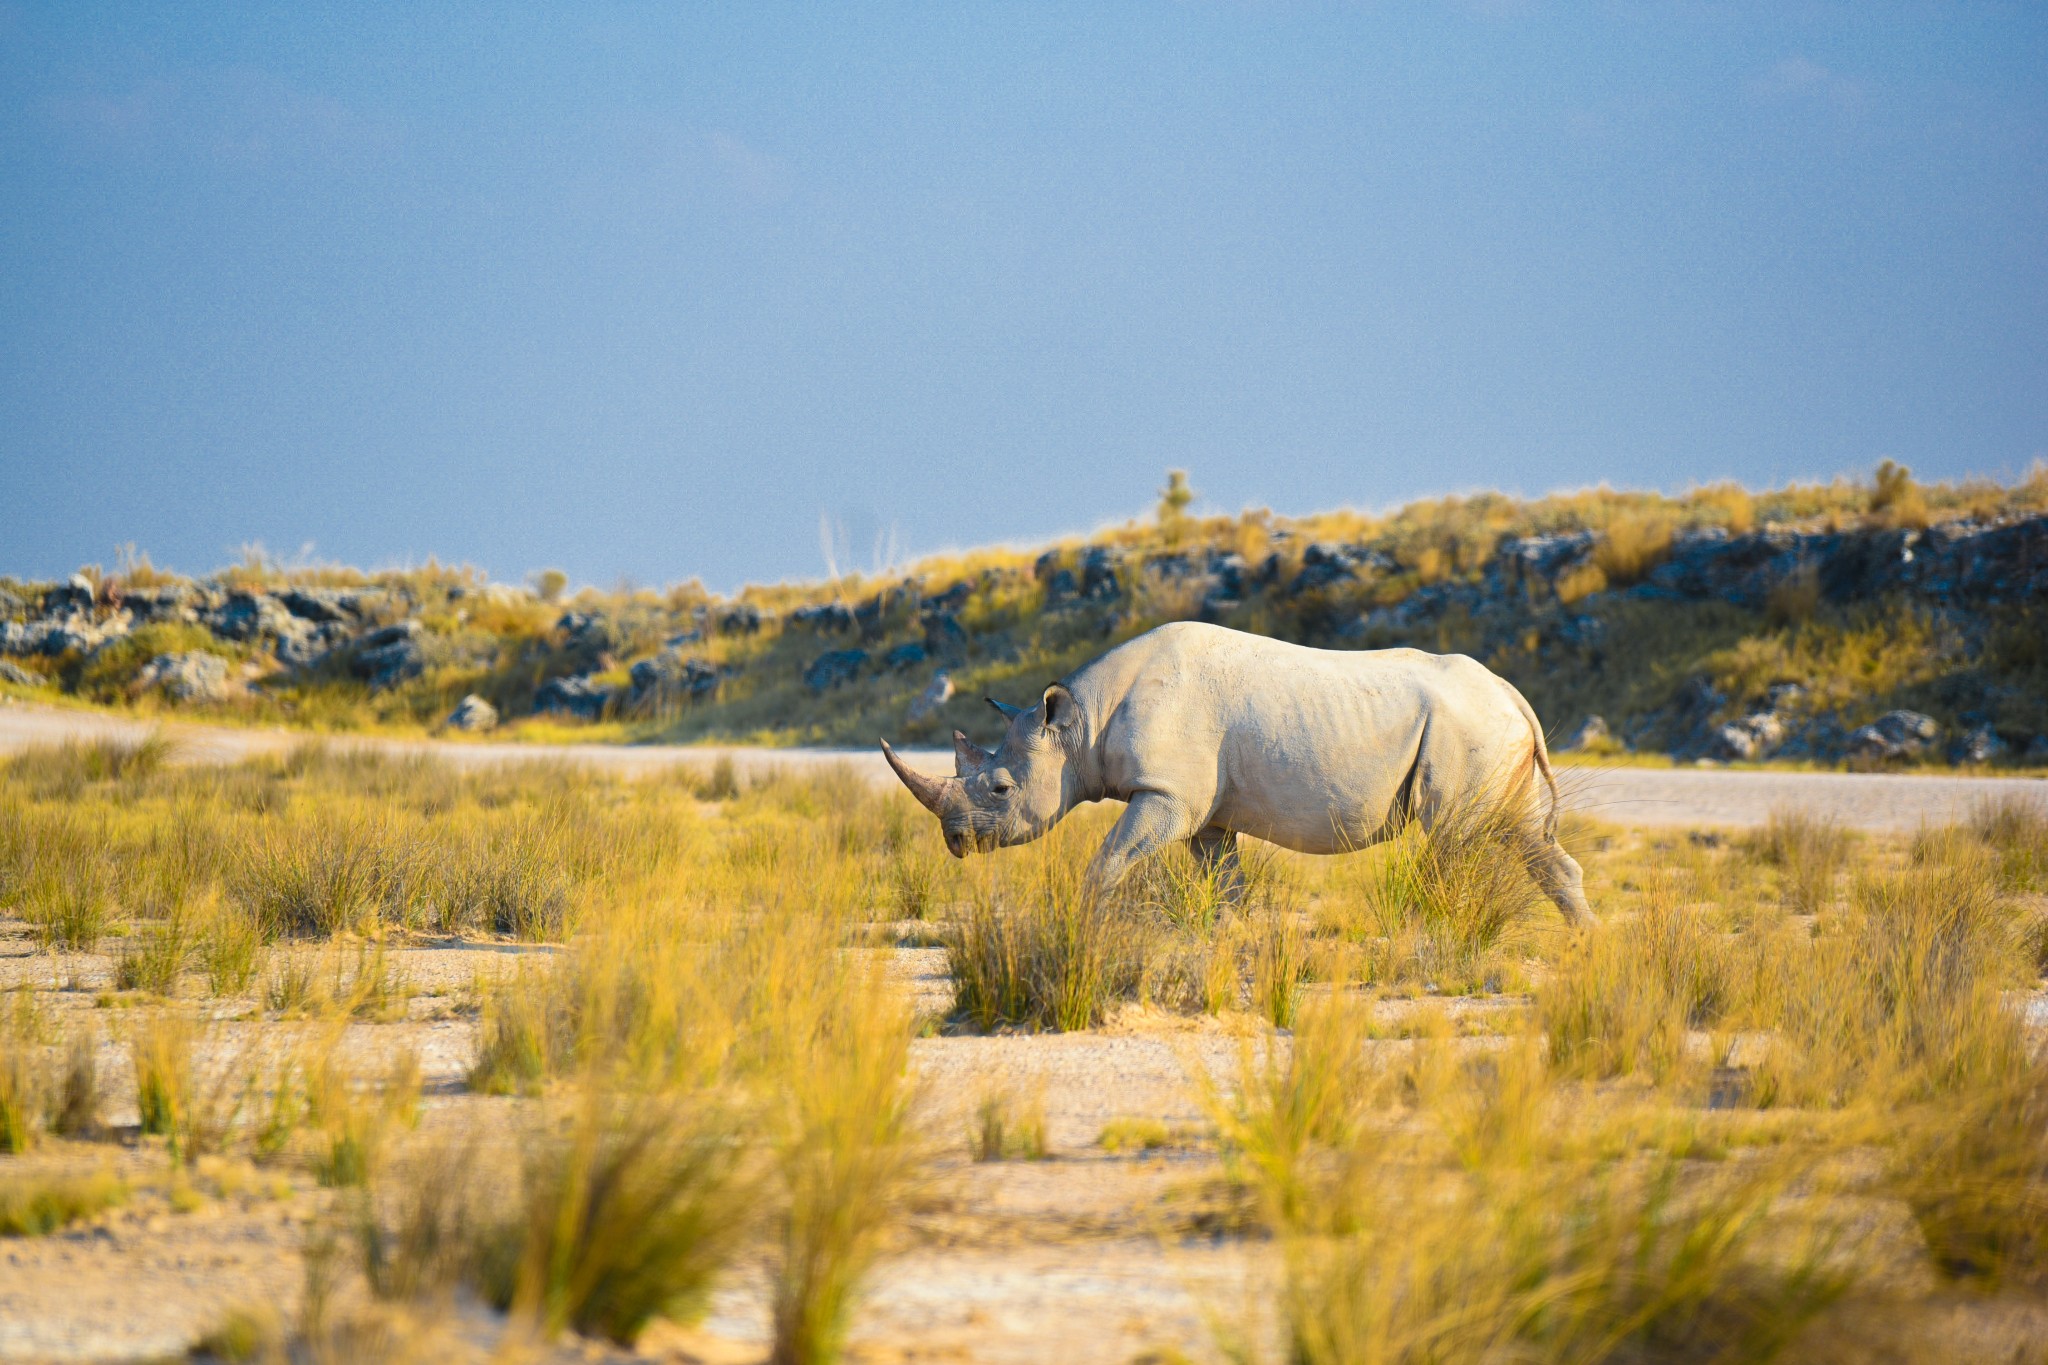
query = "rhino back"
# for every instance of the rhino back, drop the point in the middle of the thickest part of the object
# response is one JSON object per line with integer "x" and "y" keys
{"x": 1307, "y": 747}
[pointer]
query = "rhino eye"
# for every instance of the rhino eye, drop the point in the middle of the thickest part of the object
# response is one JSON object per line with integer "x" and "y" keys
{"x": 1000, "y": 786}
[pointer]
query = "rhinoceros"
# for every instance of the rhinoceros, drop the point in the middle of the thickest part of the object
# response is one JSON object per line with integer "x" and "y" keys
{"x": 1206, "y": 733}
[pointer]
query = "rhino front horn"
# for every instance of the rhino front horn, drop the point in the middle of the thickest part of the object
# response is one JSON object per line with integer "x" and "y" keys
{"x": 930, "y": 791}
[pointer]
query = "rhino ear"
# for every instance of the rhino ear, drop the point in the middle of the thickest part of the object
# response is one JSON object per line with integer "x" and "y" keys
{"x": 1004, "y": 709}
{"x": 967, "y": 756}
{"x": 1059, "y": 707}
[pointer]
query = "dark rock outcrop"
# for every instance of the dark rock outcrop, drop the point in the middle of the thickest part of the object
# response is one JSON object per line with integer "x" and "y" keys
{"x": 670, "y": 678}
{"x": 906, "y": 655}
{"x": 247, "y": 616}
{"x": 1893, "y": 736}
{"x": 387, "y": 657}
{"x": 830, "y": 669}
{"x": 824, "y": 617}
{"x": 951, "y": 600}
{"x": 742, "y": 618}
{"x": 336, "y": 606}
{"x": 1981, "y": 745}
{"x": 165, "y": 602}
{"x": 580, "y": 696}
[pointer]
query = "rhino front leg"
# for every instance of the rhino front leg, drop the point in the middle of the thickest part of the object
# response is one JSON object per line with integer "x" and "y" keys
{"x": 1150, "y": 822}
{"x": 1215, "y": 853}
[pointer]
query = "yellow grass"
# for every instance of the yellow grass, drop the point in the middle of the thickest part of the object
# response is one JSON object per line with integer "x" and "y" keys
{"x": 1656, "y": 1140}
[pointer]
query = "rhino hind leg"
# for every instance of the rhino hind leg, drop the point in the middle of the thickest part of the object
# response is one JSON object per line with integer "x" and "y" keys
{"x": 1558, "y": 874}
{"x": 1215, "y": 853}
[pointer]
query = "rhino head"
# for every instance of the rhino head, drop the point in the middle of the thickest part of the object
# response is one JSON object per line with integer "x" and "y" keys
{"x": 1008, "y": 797}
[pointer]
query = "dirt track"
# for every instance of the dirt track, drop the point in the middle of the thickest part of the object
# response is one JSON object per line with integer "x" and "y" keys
{"x": 1634, "y": 796}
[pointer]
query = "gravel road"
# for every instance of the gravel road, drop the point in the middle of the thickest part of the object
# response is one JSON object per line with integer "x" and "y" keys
{"x": 1633, "y": 796}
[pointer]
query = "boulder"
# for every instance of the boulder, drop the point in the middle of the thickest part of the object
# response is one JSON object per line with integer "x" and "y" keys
{"x": 834, "y": 667}
{"x": 588, "y": 631}
{"x": 1754, "y": 736}
{"x": 1592, "y": 734}
{"x": 580, "y": 696}
{"x": 669, "y": 678}
{"x": 339, "y": 606}
{"x": 906, "y": 655}
{"x": 385, "y": 658}
{"x": 1099, "y": 564}
{"x": 81, "y": 634}
{"x": 1227, "y": 569}
{"x": 952, "y": 599}
{"x": 823, "y": 617}
{"x": 473, "y": 713}
{"x": 193, "y": 675}
{"x": 12, "y": 672}
{"x": 252, "y": 615}
{"x": 742, "y": 618}
{"x": 74, "y": 595}
{"x": 1894, "y": 735}
{"x": 1533, "y": 564}
{"x": 936, "y": 694}
{"x": 1322, "y": 564}
{"x": 18, "y": 637}
{"x": 878, "y": 615}
{"x": 11, "y": 607}
{"x": 1982, "y": 745}
{"x": 307, "y": 644}
{"x": 172, "y": 602}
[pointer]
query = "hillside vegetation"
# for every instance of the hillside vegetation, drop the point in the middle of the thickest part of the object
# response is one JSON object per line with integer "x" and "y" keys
{"x": 1878, "y": 621}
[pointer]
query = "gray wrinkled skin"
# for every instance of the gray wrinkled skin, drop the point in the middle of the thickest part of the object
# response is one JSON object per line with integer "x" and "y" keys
{"x": 1206, "y": 733}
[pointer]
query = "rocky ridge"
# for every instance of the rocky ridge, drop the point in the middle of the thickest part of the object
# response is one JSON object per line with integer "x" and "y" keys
{"x": 1541, "y": 594}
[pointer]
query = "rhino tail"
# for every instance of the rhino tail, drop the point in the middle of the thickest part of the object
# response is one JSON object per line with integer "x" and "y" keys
{"x": 1542, "y": 752}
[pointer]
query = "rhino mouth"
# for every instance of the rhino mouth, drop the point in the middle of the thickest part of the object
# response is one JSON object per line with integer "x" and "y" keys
{"x": 962, "y": 840}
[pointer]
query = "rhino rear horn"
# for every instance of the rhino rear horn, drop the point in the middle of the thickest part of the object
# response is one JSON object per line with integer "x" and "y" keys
{"x": 930, "y": 791}
{"x": 967, "y": 756}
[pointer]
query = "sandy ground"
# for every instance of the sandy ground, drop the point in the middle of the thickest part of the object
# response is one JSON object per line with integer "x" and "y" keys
{"x": 1087, "y": 1257}
{"x": 1103, "y": 1254}
{"x": 1635, "y": 796}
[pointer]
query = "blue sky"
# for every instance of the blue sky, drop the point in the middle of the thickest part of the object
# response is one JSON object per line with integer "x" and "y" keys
{"x": 646, "y": 291}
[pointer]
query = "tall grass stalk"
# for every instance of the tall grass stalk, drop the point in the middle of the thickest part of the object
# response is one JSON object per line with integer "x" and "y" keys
{"x": 846, "y": 1154}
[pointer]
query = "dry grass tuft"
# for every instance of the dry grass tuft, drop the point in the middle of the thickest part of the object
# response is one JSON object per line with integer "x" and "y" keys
{"x": 1808, "y": 852}
{"x": 37, "y": 1205}
{"x": 1034, "y": 949}
{"x": 1005, "y": 1128}
{"x": 1442, "y": 907}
